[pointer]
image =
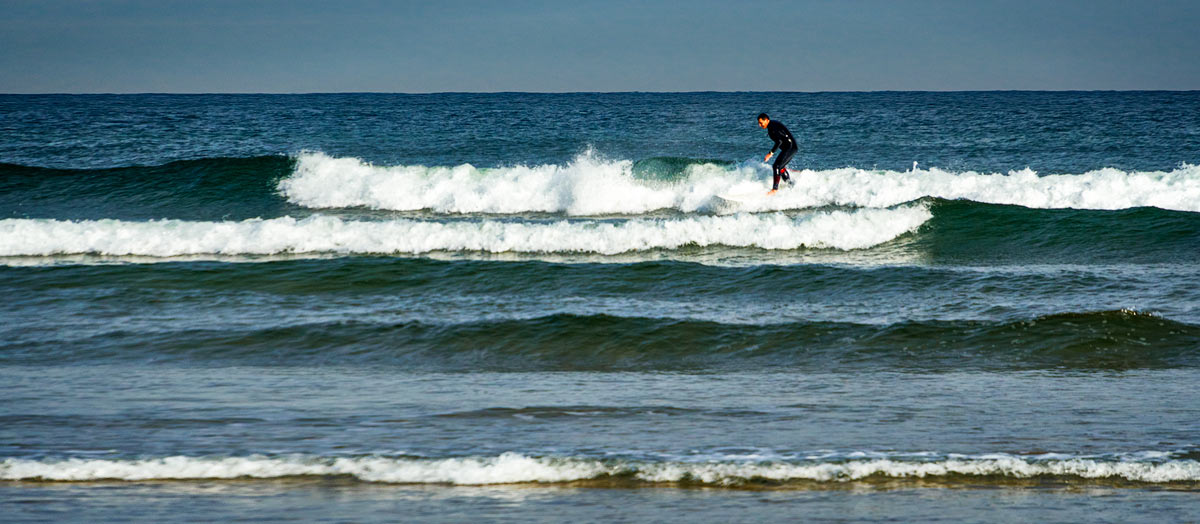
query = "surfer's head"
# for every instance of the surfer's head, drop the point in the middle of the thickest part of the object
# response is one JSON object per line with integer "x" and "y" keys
{"x": 763, "y": 120}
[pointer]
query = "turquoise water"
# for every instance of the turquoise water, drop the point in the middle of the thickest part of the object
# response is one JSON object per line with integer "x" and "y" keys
{"x": 370, "y": 307}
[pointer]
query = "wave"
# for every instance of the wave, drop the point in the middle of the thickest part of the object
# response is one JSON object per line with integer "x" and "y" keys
{"x": 955, "y": 232}
{"x": 514, "y": 468}
{"x": 188, "y": 189}
{"x": 836, "y": 229}
{"x": 232, "y": 193}
{"x": 588, "y": 185}
{"x": 1104, "y": 340}
{"x": 972, "y": 233}
{"x": 591, "y": 185}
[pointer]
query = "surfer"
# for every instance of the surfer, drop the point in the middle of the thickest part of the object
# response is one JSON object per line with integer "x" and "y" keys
{"x": 786, "y": 145}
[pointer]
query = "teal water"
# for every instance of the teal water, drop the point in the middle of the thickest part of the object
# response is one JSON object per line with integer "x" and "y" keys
{"x": 535, "y": 307}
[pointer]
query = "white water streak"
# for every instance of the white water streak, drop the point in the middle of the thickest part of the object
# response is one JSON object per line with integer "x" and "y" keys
{"x": 324, "y": 234}
{"x": 516, "y": 468}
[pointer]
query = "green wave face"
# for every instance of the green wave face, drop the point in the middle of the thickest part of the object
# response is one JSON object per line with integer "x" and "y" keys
{"x": 669, "y": 168}
{"x": 1106, "y": 340}
{"x": 203, "y": 189}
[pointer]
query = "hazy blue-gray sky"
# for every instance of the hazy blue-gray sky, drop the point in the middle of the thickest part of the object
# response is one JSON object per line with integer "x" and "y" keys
{"x": 614, "y": 45}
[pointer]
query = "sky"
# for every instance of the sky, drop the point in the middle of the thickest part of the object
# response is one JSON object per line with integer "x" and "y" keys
{"x": 303, "y": 46}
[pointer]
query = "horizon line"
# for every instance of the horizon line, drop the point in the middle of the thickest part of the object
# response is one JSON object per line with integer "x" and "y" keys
{"x": 419, "y": 93}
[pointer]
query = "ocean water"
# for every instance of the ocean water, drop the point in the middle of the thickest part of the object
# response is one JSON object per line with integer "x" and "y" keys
{"x": 971, "y": 307}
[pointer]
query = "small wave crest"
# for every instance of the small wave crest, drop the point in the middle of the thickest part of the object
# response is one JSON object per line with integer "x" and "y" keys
{"x": 595, "y": 342}
{"x": 513, "y": 468}
{"x": 838, "y": 229}
{"x": 590, "y": 185}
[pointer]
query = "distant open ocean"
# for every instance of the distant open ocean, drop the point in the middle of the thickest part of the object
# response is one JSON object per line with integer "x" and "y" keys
{"x": 971, "y": 307}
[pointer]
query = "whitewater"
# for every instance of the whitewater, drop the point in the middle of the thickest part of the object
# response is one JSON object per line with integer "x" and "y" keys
{"x": 510, "y": 468}
{"x": 837, "y": 229}
{"x": 593, "y": 185}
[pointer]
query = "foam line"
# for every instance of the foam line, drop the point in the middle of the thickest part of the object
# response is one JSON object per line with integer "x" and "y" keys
{"x": 511, "y": 468}
{"x": 837, "y": 229}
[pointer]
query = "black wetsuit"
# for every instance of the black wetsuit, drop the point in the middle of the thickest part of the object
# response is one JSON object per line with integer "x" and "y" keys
{"x": 787, "y": 147}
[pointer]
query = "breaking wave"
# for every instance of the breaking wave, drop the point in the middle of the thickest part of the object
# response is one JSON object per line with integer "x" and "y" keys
{"x": 512, "y": 468}
{"x": 838, "y": 229}
{"x": 590, "y": 185}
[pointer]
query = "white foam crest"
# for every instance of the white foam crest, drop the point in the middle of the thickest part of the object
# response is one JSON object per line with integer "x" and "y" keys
{"x": 509, "y": 468}
{"x": 1105, "y": 189}
{"x": 591, "y": 186}
{"x": 586, "y": 186}
{"x": 503, "y": 469}
{"x": 324, "y": 234}
{"x": 1003, "y": 466}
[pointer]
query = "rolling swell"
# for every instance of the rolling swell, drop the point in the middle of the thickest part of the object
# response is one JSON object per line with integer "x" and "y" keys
{"x": 1104, "y": 340}
{"x": 202, "y": 189}
{"x": 971, "y": 232}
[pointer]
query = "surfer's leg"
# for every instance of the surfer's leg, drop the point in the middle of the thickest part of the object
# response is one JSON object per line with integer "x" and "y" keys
{"x": 780, "y": 166}
{"x": 784, "y": 158}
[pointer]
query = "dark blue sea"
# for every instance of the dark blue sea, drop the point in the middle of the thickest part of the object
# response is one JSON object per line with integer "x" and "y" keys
{"x": 970, "y": 307}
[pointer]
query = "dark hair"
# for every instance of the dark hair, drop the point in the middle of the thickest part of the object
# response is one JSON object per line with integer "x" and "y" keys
{"x": 763, "y": 116}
